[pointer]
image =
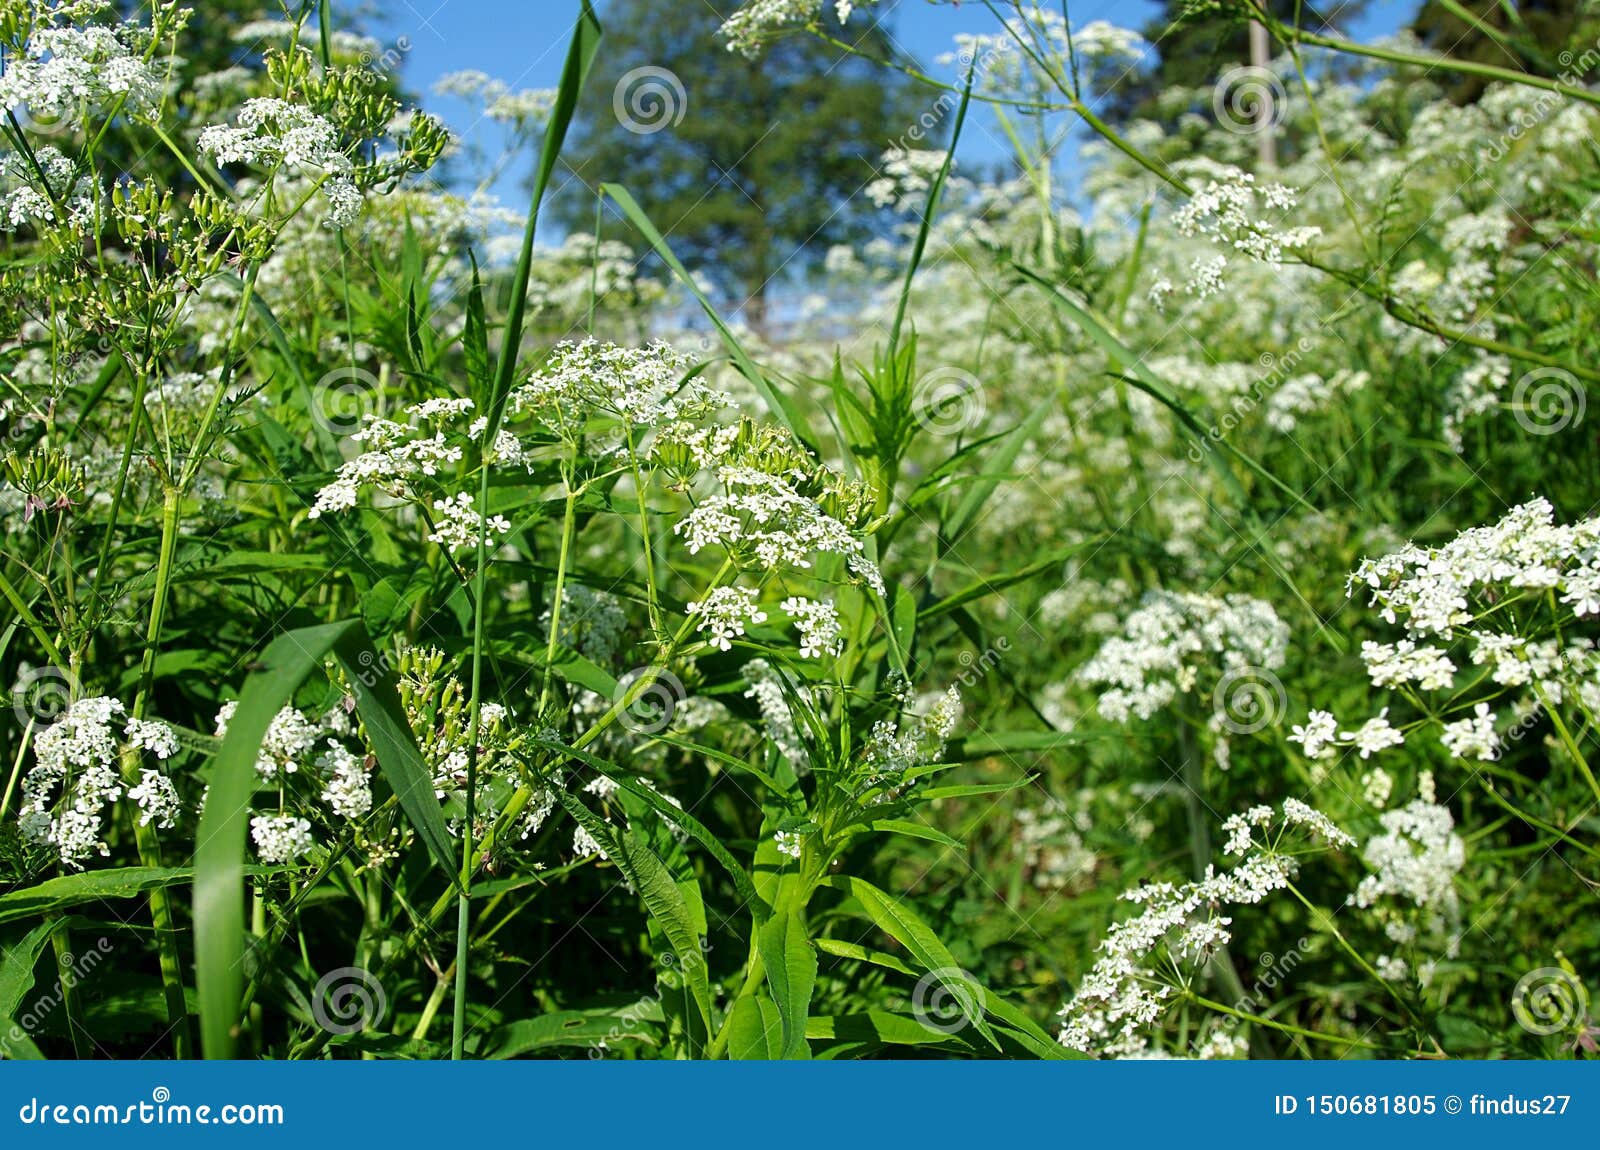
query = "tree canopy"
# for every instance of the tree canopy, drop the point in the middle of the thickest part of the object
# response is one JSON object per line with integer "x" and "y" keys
{"x": 752, "y": 168}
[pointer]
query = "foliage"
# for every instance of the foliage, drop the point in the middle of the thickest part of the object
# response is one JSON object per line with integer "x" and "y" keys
{"x": 399, "y": 675}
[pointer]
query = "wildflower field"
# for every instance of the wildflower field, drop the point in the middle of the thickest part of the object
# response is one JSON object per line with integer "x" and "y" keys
{"x": 1134, "y": 595}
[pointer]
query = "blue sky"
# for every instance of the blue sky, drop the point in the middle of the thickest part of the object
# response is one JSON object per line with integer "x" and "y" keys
{"x": 523, "y": 42}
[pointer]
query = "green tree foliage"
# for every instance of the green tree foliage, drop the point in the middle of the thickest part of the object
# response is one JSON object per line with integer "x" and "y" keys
{"x": 1195, "y": 43}
{"x": 751, "y": 167}
{"x": 1528, "y": 36}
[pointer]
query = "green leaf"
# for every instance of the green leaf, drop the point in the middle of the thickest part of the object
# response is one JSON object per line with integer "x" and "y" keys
{"x": 875, "y": 1029}
{"x": 219, "y": 856}
{"x": 475, "y": 337}
{"x": 791, "y": 964}
{"x": 896, "y": 920}
{"x": 574, "y": 73}
{"x": 913, "y": 830}
{"x": 841, "y": 949}
{"x": 659, "y": 892}
{"x": 88, "y": 886}
{"x": 17, "y": 963}
{"x": 756, "y": 1029}
{"x": 565, "y": 1028}
{"x": 996, "y": 470}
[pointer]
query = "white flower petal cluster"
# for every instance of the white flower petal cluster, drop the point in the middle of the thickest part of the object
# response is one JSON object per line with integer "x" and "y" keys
{"x": 723, "y": 613}
{"x": 1434, "y": 590}
{"x": 818, "y": 624}
{"x": 748, "y": 30}
{"x": 1122, "y": 997}
{"x": 348, "y": 789}
{"x": 81, "y": 71}
{"x": 896, "y": 746}
{"x": 75, "y": 777}
{"x": 290, "y": 738}
{"x": 281, "y": 838}
{"x": 1226, "y": 210}
{"x": 396, "y": 454}
{"x": 1170, "y": 638}
{"x": 458, "y": 526}
{"x": 289, "y": 138}
{"x": 1513, "y": 573}
{"x": 642, "y": 387}
{"x": 26, "y": 202}
{"x": 1413, "y": 863}
{"x": 763, "y": 515}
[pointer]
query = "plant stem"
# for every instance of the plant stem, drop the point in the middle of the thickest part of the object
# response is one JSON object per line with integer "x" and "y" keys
{"x": 145, "y": 837}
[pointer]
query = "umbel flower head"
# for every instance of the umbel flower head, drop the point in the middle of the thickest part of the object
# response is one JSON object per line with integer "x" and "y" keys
{"x": 75, "y": 777}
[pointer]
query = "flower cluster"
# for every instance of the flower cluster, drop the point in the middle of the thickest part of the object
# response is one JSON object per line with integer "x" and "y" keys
{"x": 78, "y": 756}
{"x": 67, "y": 71}
{"x": 397, "y": 455}
{"x": 1503, "y": 600}
{"x": 748, "y": 30}
{"x": 1411, "y": 887}
{"x": 1171, "y": 638}
{"x": 1123, "y": 996}
{"x": 641, "y": 387}
{"x": 277, "y": 135}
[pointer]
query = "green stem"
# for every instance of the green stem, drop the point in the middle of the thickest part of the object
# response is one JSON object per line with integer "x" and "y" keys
{"x": 1274, "y": 1024}
{"x": 67, "y": 978}
{"x": 145, "y": 837}
{"x": 568, "y": 523}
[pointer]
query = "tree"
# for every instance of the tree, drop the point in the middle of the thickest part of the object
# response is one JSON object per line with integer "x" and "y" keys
{"x": 1528, "y": 36}
{"x": 751, "y": 167}
{"x": 1193, "y": 51}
